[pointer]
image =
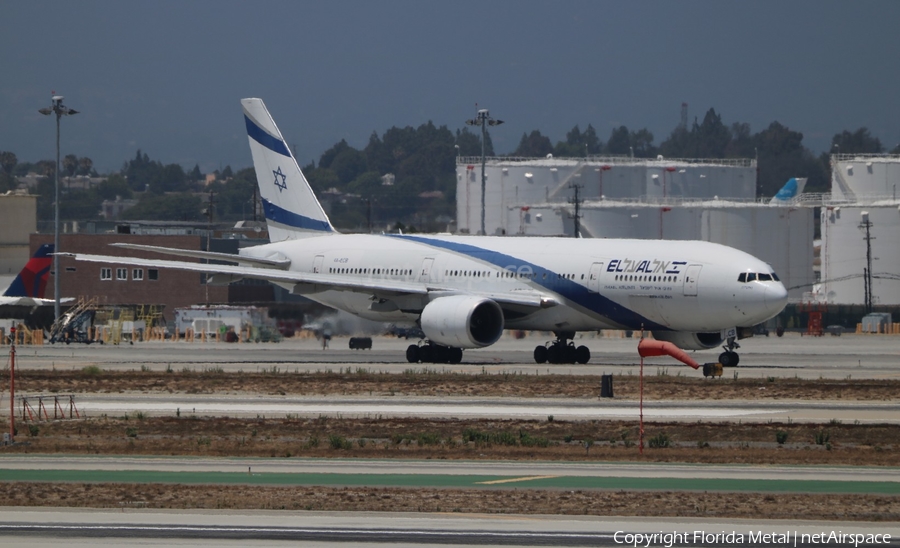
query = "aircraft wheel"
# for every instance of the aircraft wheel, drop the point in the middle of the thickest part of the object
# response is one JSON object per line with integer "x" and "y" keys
{"x": 540, "y": 354}
{"x": 455, "y": 355}
{"x": 582, "y": 355}
{"x": 554, "y": 354}
{"x": 426, "y": 354}
{"x": 412, "y": 353}
{"x": 737, "y": 358}
{"x": 728, "y": 359}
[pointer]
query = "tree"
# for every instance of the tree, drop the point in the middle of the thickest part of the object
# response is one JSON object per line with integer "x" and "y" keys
{"x": 8, "y": 162}
{"x": 114, "y": 186}
{"x": 578, "y": 144}
{"x": 741, "y": 144}
{"x": 857, "y": 142}
{"x": 348, "y": 165}
{"x": 781, "y": 156}
{"x": 195, "y": 174}
{"x": 623, "y": 142}
{"x": 712, "y": 137}
{"x": 69, "y": 165}
{"x": 619, "y": 142}
{"x": 85, "y": 166}
{"x": 534, "y": 145}
{"x": 166, "y": 207}
{"x": 469, "y": 144}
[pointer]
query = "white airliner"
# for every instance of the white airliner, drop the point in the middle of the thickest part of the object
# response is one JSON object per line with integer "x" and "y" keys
{"x": 463, "y": 291}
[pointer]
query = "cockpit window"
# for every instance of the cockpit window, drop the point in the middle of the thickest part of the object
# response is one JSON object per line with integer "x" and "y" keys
{"x": 743, "y": 277}
{"x": 765, "y": 277}
{"x": 775, "y": 277}
{"x": 751, "y": 277}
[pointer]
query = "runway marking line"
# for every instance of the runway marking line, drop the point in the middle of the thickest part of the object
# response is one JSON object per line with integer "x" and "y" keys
{"x": 511, "y": 480}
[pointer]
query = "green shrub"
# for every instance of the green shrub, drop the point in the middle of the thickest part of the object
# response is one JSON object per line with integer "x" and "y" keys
{"x": 659, "y": 441}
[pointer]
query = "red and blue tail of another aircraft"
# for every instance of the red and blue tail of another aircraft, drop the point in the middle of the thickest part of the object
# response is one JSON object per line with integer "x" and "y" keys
{"x": 32, "y": 280}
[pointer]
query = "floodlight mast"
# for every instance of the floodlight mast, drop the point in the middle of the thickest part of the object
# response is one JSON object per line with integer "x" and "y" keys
{"x": 60, "y": 110}
{"x": 483, "y": 118}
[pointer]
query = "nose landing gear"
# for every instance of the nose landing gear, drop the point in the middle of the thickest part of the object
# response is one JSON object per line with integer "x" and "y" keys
{"x": 562, "y": 350}
{"x": 730, "y": 358}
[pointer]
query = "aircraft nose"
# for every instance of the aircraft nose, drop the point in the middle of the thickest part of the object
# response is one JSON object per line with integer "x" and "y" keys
{"x": 776, "y": 298}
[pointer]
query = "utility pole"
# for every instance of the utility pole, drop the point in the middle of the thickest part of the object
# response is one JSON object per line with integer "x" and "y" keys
{"x": 12, "y": 386}
{"x": 209, "y": 217}
{"x": 867, "y": 272}
{"x": 483, "y": 119}
{"x": 60, "y": 110}
{"x": 576, "y": 201}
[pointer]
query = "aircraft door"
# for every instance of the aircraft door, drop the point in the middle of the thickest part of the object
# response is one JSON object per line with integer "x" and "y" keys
{"x": 317, "y": 264}
{"x": 691, "y": 276}
{"x": 427, "y": 266}
{"x": 594, "y": 277}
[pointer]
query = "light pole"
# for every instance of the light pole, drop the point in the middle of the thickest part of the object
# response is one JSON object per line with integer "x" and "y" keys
{"x": 482, "y": 118}
{"x": 60, "y": 110}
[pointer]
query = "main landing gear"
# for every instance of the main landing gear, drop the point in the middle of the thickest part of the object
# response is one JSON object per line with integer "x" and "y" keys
{"x": 562, "y": 350}
{"x": 428, "y": 352}
{"x": 730, "y": 358}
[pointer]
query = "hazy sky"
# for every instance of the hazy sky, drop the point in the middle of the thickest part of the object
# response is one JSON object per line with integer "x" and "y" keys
{"x": 166, "y": 77}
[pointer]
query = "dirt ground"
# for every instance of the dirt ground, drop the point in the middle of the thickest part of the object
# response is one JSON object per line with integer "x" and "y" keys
{"x": 706, "y": 442}
{"x": 658, "y": 385}
{"x": 702, "y": 442}
{"x": 839, "y": 508}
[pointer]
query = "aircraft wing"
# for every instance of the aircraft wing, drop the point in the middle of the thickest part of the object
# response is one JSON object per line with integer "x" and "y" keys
{"x": 320, "y": 282}
{"x": 272, "y": 262}
{"x": 31, "y": 301}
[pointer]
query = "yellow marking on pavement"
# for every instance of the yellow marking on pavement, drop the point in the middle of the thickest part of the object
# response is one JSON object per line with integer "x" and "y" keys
{"x": 511, "y": 480}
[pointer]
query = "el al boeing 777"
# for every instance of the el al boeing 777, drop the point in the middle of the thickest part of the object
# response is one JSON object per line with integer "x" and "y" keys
{"x": 463, "y": 291}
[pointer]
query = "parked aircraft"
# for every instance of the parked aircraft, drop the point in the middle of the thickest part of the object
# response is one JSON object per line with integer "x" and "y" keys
{"x": 463, "y": 291}
{"x": 30, "y": 285}
{"x": 24, "y": 298}
{"x": 791, "y": 189}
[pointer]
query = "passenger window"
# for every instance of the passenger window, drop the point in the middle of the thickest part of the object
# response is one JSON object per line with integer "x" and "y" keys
{"x": 743, "y": 277}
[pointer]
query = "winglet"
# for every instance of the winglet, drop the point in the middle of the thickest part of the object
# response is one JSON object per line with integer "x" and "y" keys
{"x": 291, "y": 208}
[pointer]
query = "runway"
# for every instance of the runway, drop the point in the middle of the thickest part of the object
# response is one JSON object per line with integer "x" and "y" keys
{"x": 95, "y": 405}
{"x": 77, "y": 528}
{"x": 846, "y": 357}
{"x": 538, "y": 474}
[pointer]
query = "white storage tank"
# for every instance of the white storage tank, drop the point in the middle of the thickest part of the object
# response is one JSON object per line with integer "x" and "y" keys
{"x": 844, "y": 249}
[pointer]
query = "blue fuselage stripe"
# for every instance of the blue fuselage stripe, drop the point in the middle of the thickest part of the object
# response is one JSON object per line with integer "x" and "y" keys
{"x": 257, "y": 134}
{"x": 569, "y": 289}
{"x": 285, "y": 217}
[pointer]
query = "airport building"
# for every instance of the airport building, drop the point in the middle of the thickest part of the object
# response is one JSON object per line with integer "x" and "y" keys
{"x": 19, "y": 214}
{"x": 622, "y": 197}
{"x": 113, "y": 285}
{"x": 861, "y": 219}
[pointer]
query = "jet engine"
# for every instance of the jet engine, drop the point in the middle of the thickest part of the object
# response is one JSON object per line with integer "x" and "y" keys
{"x": 689, "y": 341}
{"x": 462, "y": 321}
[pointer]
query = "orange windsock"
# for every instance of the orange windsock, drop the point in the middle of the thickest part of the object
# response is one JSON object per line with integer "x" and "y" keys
{"x": 648, "y": 347}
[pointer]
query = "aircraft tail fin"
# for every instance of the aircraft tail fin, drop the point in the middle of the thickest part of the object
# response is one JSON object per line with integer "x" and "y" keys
{"x": 32, "y": 280}
{"x": 291, "y": 208}
{"x": 790, "y": 190}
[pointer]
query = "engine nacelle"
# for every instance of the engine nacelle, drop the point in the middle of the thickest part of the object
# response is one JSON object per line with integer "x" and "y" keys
{"x": 462, "y": 321}
{"x": 690, "y": 341}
